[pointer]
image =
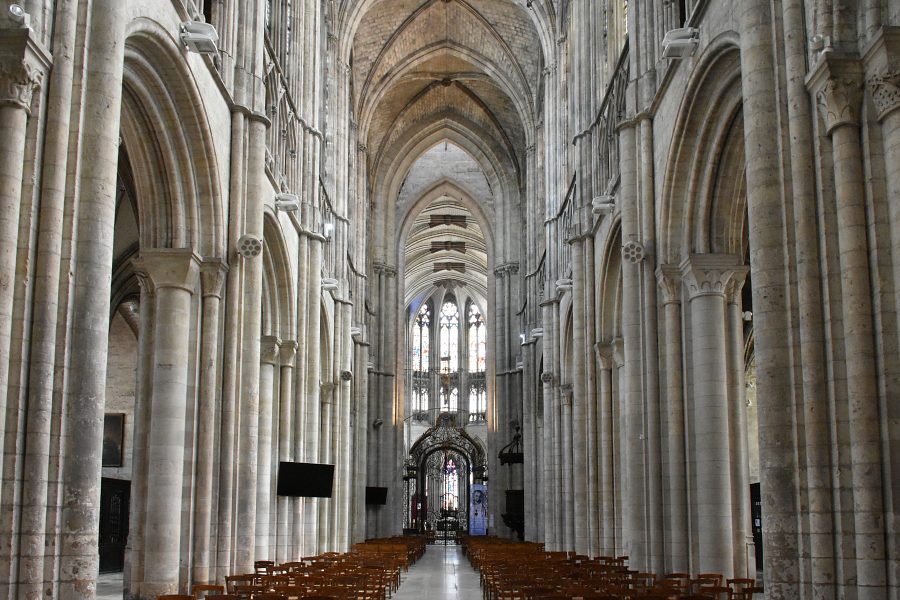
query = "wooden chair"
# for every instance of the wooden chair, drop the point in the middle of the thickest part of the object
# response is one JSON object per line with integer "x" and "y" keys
{"x": 232, "y": 581}
{"x": 741, "y": 588}
{"x": 174, "y": 597}
{"x": 202, "y": 590}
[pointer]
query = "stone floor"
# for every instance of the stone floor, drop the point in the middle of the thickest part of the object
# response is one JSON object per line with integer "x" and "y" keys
{"x": 442, "y": 574}
{"x": 109, "y": 586}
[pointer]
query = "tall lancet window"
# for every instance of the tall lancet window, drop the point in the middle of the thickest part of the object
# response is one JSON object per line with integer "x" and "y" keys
{"x": 477, "y": 339}
{"x": 449, "y": 323}
{"x": 421, "y": 341}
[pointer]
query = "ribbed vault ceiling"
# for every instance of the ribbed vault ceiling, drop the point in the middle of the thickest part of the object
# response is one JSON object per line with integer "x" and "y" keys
{"x": 470, "y": 66}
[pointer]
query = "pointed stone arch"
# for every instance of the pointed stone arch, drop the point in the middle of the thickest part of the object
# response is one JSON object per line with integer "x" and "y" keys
{"x": 176, "y": 169}
{"x": 694, "y": 214}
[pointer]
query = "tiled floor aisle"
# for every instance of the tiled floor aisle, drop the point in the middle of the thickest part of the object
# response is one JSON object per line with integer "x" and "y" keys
{"x": 442, "y": 574}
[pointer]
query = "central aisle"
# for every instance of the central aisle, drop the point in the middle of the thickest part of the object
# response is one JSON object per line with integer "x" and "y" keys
{"x": 442, "y": 574}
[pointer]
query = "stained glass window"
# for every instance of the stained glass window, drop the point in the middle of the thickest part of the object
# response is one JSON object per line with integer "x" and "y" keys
{"x": 477, "y": 340}
{"x": 421, "y": 339}
{"x": 478, "y": 399}
{"x": 449, "y": 323}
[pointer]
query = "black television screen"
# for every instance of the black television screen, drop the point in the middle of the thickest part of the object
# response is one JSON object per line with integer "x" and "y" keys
{"x": 307, "y": 480}
{"x": 376, "y": 495}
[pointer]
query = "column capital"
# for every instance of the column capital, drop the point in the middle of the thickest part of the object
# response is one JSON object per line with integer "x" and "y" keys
{"x": 510, "y": 268}
{"x": 269, "y": 346}
{"x": 711, "y": 274}
{"x": 168, "y": 268}
{"x": 288, "y": 353}
{"x": 669, "y": 279}
{"x": 212, "y": 277}
{"x": 566, "y": 393}
{"x": 605, "y": 355}
{"x": 836, "y": 82}
{"x": 618, "y": 351}
{"x": 22, "y": 66}
{"x": 882, "y": 63}
{"x": 736, "y": 285}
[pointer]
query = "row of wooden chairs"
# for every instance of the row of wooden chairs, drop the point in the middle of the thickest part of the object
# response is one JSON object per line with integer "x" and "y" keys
{"x": 371, "y": 571}
{"x": 566, "y": 576}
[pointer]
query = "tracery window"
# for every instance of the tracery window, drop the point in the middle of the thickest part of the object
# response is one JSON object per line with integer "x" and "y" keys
{"x": 450, "y": 398}
{"x": 421, "y": 342}
{"x": 421, "y": 339}
{"x": 477, "y": 399}
{"x": 449, "y": 324}
{"x": 477, "y": 340}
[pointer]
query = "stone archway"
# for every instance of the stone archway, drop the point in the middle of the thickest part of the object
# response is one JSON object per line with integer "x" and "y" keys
{"x": 445, "y": 450}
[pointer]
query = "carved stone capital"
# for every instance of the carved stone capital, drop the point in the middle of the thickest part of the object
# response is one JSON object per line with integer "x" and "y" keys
{"x": 885, "y": 90}
{"x": 605, "y": 355}
{"x": 269, "y": 348}
{"x": 882, "y": 63}
{"x": 711, "y": 274}
{"x": 288, "y": 353}
{"x": 669, "y": 279}
{"x": 168, "y": 268}
{"x": 566, "y": 393}
{"x": 505, "y": 269}
{"x": 837, "y": 84}
{"x": 22, "y": 67}
{"x": 212, "y": 277}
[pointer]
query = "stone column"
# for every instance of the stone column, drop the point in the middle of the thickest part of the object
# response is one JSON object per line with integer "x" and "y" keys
{"x": 85, "y": 396}
{"x": 744, "y": 555}
{"x": 768, "y": 222}
{"x": 548, "y": 477}
{"x": 212, "y": 278}
{"x": 707, "y": 277}
{"x": 20, "y": 75}
{"x": 837, "y": 85}
{"x": 566, "y": 463}
{"x": 248, "y": 412}
{"x": 591, "y": 398}
{"x": 134, "y": 553}
{"x": 578, "y": 450}
{"x": 606, "y": 465}
{"x": 174, "y": 276}
{"x": 326, "y": 455}
{"x": 286, "y": 441}
{"x": 883, "y": 78}
{"x": 676, "y": 533}
{"x": 268, "y": 356}
{"x": 313, "y": 410}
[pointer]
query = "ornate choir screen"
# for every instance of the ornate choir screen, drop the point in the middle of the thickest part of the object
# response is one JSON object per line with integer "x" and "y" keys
{"x": 444, "y": 464}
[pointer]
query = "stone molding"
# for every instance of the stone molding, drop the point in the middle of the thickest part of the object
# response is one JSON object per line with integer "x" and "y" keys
{"x": 176, "y": 268}
{"x": 836, "y": 82}
{"x": 669, "y": 279}
{"x": 212, "y": 277}
{"x": 269, "y": 349}
{"x": 711, "y": 274}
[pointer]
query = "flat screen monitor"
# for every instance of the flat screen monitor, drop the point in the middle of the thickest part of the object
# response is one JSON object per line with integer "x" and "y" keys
{"x": 306, "y": 480}
{"x": 376, "y": 495}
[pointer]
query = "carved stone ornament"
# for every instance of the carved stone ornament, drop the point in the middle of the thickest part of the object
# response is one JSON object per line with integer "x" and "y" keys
{"x": 885, "y": 90}
{"x": 18, "y": 80}
{"x": 711, "y": 274}
{"x": 839, "y": 101}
